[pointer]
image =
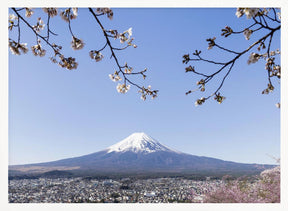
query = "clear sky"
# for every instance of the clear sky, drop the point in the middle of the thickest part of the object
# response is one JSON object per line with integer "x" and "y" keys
{"x": 56, "y": 113}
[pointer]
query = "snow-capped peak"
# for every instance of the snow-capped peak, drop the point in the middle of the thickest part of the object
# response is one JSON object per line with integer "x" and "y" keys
{"x": 138, "y": 142}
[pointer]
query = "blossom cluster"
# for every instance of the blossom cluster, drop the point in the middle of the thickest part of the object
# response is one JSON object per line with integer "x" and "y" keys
{"x": 39, "y": 26}
{"x": 17, "y": 48}
{"x": 28, "y": 12}
{"x": 249, "y": 12}
{"x": 265, "y": 189}
{"x": 261, "y": 20}
{"x": 11, "y": 19}
{"x": 247, "y": 33}
{"x": 69, "y": 14}
{"x": 37, "y": 50}
{"x": 253, "y": 58}
{"x": 106, "y": 11}
{"x": 96, "y": 55}
{"x": 122, "y": 88}
{"x": 201, "y": 83}
{"x": 124, "y": 37}
{"x": 70, "y": 63}
{"x": 76, "y": 43}
{"x": 148, "y": 91}
{"x": 51, "y": 11}
{"x": 115, "y": 77}
{"x": 273, "y": 69}
{"x": 269, "y": 89}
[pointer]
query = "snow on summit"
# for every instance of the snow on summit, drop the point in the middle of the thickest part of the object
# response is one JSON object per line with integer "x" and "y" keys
{"x": 138, "y": 142}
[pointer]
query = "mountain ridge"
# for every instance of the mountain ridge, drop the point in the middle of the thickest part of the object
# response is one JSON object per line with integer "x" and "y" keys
{"x": 138, "y": 153}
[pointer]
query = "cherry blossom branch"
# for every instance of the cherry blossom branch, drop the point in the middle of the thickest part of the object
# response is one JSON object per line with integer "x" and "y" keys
{"x": 272, "y": 68}
{"x": 76, "y": 44}
{"x": 124, "y": 70}
{"x": 37, "y": 34}
{"x": 48, "y": 28}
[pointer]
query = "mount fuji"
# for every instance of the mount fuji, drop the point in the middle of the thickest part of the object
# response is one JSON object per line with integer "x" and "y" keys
{"x": 138, "y": 153}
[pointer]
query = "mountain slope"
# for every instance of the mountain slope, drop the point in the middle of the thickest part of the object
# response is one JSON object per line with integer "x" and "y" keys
{"x": 139, "y": 153}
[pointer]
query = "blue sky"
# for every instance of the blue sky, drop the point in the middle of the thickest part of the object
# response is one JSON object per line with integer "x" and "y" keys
{"x": 55, "y": 113}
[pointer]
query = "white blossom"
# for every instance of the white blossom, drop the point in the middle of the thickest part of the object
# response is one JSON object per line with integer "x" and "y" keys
{"x": 74, "y": 13}
{"x": 17, "y": 48}
{"x": 67, "y": 15}
{"x": 239, "y": 12}
{"x": 69, "y": 63}
{"x": 247, "y": 33}
{"x": 272, "y": 53}
{"x": 37, "y": 50}
{"x": 29, "y": 12}
{"x": 128, "y": 70}
{"x": 279, "y": 15}
{"x": 115, "y": 77}
{"x": 125, "y": 36}
{"x": 129, "y": 31}
{"x": 250, "y": 12}
{"x": 254, "y": 57}
{"x": 50, "y": 11}
{"x": 39, "y": 26}
{"x": 98, "y": 56}
{"x": 105, "y": 10}
{"x": 122, "y": 88}
{"x": 76, "y": 43}
{"x": 12, "y": 17}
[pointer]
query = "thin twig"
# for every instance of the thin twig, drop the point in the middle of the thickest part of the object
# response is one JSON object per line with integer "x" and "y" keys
{"x": 113, "y": 55}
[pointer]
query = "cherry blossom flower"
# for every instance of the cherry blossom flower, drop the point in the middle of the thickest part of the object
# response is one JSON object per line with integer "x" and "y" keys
{"x": 239, "y": 12}
{"x": 98, "y": 56}
{"x": 39, "y": 26}
{"x": 106, "y": 11}
{"x": 29, "y": 12}
{"x": 115, "y": 77}
{"x": 251, "y": 12}
{"x": 51, "y": 11}
{"x": 125, "y": 36}
{"x": 253, "y": 58}
{"x": 265, "y": 189}
{"x": 68, "y": 63}
{"x": 76, "y": 43}
{"x": 17, "y": 48}
{"x": 247, "y": 33}
{"x": 12, "y": 17}
{"x": 37, "y": 50}
{"x": 122, "y": 88}
{"x": 67, "y": 15}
